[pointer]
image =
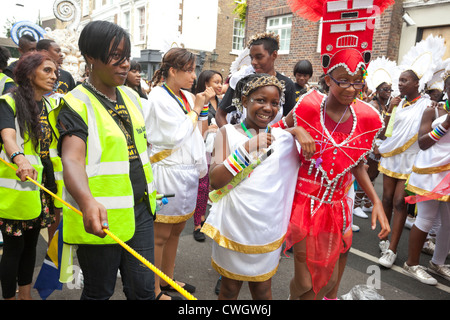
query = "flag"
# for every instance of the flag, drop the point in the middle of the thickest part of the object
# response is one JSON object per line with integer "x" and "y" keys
{"x": 48, "y": 279}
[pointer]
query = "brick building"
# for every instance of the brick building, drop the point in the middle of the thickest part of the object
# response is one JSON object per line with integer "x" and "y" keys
{"x": 300, "y": 38}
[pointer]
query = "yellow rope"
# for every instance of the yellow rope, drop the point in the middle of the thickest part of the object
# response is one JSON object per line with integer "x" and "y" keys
{"x": 147, "y": 263}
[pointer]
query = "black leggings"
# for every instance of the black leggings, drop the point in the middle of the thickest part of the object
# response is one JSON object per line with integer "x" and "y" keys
{"x": 18, "y": 261}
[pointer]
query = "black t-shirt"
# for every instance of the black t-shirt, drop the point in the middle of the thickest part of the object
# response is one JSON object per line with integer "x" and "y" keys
{"x": 65, "y": 82}
{"x": 74, "y": 125}
{"x": 289, "y": 96}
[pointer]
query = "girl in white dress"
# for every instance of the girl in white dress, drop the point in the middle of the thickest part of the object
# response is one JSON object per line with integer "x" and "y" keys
{"x": 177, "y": 154}
{"x": 252, "y": 203}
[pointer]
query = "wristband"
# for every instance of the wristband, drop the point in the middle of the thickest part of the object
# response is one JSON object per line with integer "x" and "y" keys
{"x": 237, "y": 161}
{"x": 437, "y": 133}
{"x": 204, "y": 112}
{"x": 15, "y": 154}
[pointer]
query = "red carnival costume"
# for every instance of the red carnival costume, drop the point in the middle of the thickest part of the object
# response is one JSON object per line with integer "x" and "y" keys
{"x": 321, "y": 212}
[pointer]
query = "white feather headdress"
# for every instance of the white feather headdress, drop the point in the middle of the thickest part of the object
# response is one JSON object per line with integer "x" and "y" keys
{"x": 240, "y": 67}
{"x": 382, "y": 70}
{"x": 423, "y": 58}
{"x": 437, "y": 81}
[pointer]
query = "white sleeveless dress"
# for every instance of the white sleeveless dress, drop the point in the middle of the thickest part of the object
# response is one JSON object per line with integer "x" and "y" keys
{"x": 249, "y": 223}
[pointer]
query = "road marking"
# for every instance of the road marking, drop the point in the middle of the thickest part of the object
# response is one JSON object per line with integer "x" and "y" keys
{"x": 394, "y": 267}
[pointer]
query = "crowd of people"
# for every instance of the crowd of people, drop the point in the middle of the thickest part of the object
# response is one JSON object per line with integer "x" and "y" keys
{"x": 224, "y": 149}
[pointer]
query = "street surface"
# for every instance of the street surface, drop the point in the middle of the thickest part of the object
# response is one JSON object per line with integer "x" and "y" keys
{"x": 193, "y": 265}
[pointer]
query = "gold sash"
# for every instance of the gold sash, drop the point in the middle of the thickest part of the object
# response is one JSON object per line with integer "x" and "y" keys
{"x": 162, "y": 155}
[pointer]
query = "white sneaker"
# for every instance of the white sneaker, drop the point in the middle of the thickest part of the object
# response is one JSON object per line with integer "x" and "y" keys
{"x": 360, "y": 213}
{"x": 418, "y": 272}
{"x": 441, "y": 270}
{"x": 409, "y": 222}
{"x": 355, "y": 228}
{"x": 384, "y": 245}
{"x": 368, "y": 209}
{"x": 387, "y": 258}
{"x": 428, "y": 247}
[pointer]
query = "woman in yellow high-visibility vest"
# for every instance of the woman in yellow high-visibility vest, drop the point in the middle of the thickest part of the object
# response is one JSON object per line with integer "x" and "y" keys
{"x": 25, "y": 137}
{"x": 106, "y": 169}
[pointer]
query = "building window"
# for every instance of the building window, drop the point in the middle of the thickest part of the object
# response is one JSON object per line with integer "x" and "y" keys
{"x": 126, "y": 21}
{"x": 141, "y": 20}
{"x": 238, "y": 35}
{"x": 282, "y": 26}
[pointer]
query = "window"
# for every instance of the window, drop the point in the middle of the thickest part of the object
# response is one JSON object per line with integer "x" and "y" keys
{"x": 238, "y": 35}
{"x": 126, "y": 21}
{"x": 282, "y": 26}
{"x": 141, "y": 26}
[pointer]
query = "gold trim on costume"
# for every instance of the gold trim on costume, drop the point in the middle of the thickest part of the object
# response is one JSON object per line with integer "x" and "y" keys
{"x": 423, "y": 192}
{"x": 173, "y": 219}
{"x": 223, "y": 241}
{"x": 400, "y": 176}
{"x": 162, "y": 155}
{"x": 431, "y": 170}
{"x": 402, "y": 148}
{"x": 240, "y": 277}
{"x": 194, "y": 118}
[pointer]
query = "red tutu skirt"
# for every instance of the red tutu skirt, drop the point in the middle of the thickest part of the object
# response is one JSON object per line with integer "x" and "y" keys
{"x": 325, "y": 225}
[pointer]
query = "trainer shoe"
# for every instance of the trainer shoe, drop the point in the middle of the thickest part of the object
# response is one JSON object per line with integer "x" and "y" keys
{"x": 428, "y": 247}
{"x": 418, "y": 272}
{"x": 358, "y": 211}
{"x": 441, "y": 270}
{"x": 409, "y": 222}
{"x": 387, "y": 258}
{"x": 384, "y": 245}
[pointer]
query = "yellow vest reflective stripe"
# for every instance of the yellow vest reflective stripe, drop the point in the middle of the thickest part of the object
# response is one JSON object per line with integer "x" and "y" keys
{"x": 52, "y": 111}
{"x": 19, "y": 200}
{"x": 108, "y": 166}
{"x": 3, "y": 80}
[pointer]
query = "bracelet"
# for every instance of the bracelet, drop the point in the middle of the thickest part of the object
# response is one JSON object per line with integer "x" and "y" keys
{"x": 15, "y": 154}
{"x": 237, "y": 161}
{"x": 437, "y": 133}
{"x": 387, "y": 114}
{"x": 204, "y": 112}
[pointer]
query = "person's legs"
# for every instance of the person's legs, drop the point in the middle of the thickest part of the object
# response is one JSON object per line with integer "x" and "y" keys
{"x": 99, "y": 264}
{"x": 229, "y": 289}
{"x": 27, "y": 263}
{"x": 162, "y": 235}
{"x": 170, "y": 251}
{"x": 400, "y": 214}
{"x": 138, "y": 280}
{"x": 261, "y": 290}
{"x": 9, "y": 264}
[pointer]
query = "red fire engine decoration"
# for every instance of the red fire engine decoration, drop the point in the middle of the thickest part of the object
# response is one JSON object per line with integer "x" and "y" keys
{"x": 347, "y": 29}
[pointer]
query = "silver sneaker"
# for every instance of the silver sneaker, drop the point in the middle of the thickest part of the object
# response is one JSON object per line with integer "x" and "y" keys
{"x": 428, "y": 247}
{"x": 418, "y": 272}
{"x": 441, "y": 270}
{"x": 387, "y": 258}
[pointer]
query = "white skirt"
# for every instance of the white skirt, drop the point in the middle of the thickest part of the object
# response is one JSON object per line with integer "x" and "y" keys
{"x": 181, "y": 180}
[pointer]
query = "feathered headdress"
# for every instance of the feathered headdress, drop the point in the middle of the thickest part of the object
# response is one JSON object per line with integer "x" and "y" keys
{"x": 382, "y": 70}
{"x": 423, "y": 58}
{"x": 437, "y": 80}
{"x": 347, "y": 29}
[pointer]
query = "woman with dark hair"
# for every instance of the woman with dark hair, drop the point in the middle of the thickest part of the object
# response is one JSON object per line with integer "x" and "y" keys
{"x": 303, "y": 71}
{"x": 178, "y": 153}
{"x": 134, "y": 78}
{"x": 213, "y": 79}
{"x": 5, "y": 82}
{"x": 107, "y": 173}
{"x": 26, "y": 139}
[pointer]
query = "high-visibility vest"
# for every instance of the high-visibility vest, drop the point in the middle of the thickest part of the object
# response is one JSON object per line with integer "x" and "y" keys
{"x": 3, "y": 80}
{"x": 19, "y": 200}
{"x": 108, "y": 166}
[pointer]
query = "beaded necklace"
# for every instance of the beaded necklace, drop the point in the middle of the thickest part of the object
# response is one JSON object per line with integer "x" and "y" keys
{"x": 408, "y": 103}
